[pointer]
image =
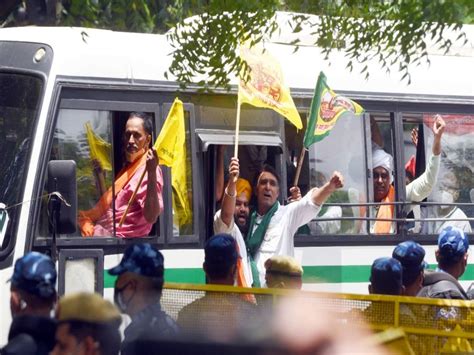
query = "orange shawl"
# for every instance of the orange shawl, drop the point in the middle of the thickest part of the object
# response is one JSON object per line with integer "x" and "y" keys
{"x": 385, "y": 211}
{"x": 87, "y": 218}
{"x": 241, "y": 282}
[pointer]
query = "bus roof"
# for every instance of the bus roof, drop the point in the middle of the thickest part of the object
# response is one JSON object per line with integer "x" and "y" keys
{"x": 93, "y": 53}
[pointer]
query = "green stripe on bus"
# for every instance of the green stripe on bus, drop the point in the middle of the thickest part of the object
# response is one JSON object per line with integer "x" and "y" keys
{"x": 185, "y": 275}
{"x": 336, "y": 273}
{"x": 354, "y": 273}
{"x": 312, "y": 274}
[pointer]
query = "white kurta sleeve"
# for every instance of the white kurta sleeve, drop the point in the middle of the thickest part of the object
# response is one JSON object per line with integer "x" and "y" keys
{"x": 220, "y": 226}
{"x": 421, "y": 187}
{"x": 302, "y": 211}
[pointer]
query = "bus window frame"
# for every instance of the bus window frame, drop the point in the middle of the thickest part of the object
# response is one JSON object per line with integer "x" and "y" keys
{"x": 398, "y": 109}
{"x": 186, "y": 238}
{"x": 22, "y": 63}
{"x": 7, "y": 250}
{"x": 108, "y": 101}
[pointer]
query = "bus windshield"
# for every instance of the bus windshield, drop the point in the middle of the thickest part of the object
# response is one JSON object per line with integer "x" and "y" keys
{"x": 19, "y": 103}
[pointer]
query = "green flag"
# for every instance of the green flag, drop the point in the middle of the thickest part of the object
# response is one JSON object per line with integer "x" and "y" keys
{"x": 326, "y": 108}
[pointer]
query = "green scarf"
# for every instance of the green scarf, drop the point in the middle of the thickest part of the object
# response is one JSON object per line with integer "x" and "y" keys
{"x": 254, "y": 240}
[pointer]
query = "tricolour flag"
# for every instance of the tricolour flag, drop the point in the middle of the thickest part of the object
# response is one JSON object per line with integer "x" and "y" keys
{"x": 171, "y": 148}
{"x": 326, "y": 108}
{"x": 265, "y": 87}
{"x": 100, "y": 150}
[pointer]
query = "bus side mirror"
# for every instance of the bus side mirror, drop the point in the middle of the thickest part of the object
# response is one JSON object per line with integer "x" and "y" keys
{"x": 62, "y": 180}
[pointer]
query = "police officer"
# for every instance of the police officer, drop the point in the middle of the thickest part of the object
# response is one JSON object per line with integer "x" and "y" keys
{"x": 411, "y": 255}
{"x": 283, "y": 272}
{"x": 452, "y": 253}
{"x": 386, "y": 277}
{"x": 87, "y": 325}
{"x": 32, "y": 300}
{"x": 137, "y": 293}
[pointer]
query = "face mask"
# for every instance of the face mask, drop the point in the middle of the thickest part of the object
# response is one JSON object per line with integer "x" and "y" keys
{"x": 443, "y": 197}
{"x": 118, "y": 298}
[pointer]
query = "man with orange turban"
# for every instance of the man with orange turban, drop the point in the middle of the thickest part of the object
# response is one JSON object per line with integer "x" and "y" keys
{"x": 243, "y": 193}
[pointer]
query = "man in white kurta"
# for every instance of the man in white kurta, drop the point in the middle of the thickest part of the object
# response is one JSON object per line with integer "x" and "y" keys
{"x": 278, "y": 238}
{"x": 416, "y": 191}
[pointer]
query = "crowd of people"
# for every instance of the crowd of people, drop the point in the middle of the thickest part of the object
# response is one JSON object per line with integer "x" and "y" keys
{"x": 86, "y": 323}
{"x": 249, "y": 248}
{"x": 405, "y": 272}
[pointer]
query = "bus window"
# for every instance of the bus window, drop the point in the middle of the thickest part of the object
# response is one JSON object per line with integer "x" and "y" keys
{"x": 95, "y": 141}
{"x": 455, "y": 179}
{"x": 342, "y": 150}
{"x": 383, "y": 172}
{"x": 19, "y": 101}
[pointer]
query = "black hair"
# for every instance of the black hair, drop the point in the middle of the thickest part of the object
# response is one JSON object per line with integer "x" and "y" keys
{"x": 385, "y": 288}
{"x": 218, "y": 271}
{"x": 448, "y": 261}
{"x": 106, "y": 334}
{"x": 267, "y": 168}
{"x": 155, "y": 284}
{"x": 410, "y": 275}
{"x": 147, "y": 121}
{"x": 34, "y": 301}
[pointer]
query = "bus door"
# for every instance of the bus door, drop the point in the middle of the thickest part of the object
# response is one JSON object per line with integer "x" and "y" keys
{"x": 24, "y": 72}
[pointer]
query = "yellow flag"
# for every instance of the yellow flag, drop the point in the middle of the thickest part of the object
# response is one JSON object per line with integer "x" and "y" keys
{"x": 266, "y": 88}
{"x": 100, "y": 150}
{"x": 171, "y": 148}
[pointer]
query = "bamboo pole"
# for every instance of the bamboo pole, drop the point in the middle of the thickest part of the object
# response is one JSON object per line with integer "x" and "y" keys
{"x": 299, "y": 165}
{"x": 132, "y": 198}
{"x": 237, "y": 129}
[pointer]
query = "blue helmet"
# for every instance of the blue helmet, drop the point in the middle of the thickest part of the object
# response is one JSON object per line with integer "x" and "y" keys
{"x": 35, "y": 273}
{"x": 452, "y": 244}
{"x": 386, "y": 276}
{"x": 142, "y": 259}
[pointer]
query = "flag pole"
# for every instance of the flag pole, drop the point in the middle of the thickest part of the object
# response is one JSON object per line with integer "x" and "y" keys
{"x": 298, "y": 166}
{"x": 237, "y": 128}
{"x": 132, "y": 198}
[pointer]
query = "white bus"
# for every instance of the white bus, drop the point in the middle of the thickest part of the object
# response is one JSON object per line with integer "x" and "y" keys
{"x": 55, "y": 80}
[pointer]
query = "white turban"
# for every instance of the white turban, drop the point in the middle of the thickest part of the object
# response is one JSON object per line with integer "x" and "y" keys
{"x": 382, "y": 159}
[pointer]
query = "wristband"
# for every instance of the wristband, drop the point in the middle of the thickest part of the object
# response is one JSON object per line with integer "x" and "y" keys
{"x": 228, "y": 194}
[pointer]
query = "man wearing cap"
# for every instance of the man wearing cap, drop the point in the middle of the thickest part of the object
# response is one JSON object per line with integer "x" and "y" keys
{"x": 218, "y": 316}
{"x": 411, "y": 255}
{"x": 272, "y": 227}
{"x": 137, "y": 293}
{"x": 417, "y": 190}
{"x": 283, "y": 272}
{"x": 32, "y": 300}
{"x": 452, "y": 253}
{"x": 386, "y": 277}
{"x": 87, "y": 324}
